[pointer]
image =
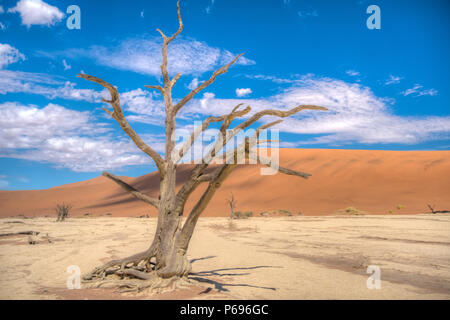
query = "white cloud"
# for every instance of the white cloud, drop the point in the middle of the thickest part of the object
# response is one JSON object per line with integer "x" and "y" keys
{"x": 207, "y": 96}
{"x": 412, "y": 90}
{"x": 428, "y": 92}
{"x": 66, "y": 65}
{"x": 2, "y": 10}
{"x": 417, "y": 91}
{"x": 356, "y": 114}
{"x": 270, "y": 78}
{"x": 9, "y": 55}
{"x": 37, "y": 12}
{"x": 393, "y": 80}
{"x": 194, "y": 84}
{"x": 66, "y": 138}
{"x": 242, "y": 92}
{"x": 143, "y": 55}
{"x": 46, "y": 85}
{"x": 142, "y": 14}
{"x": 75, "y": 140}
{"x": 27, "y": 126}
{"x": 352, "y": 73}
{"x": 146, "y": 106}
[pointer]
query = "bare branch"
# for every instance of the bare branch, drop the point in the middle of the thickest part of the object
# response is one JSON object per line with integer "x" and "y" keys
{"x": 268, "y": 163}
{"x": 157, "y": 87}
{"x": 197, "y": 131}
{"x": 250, "y": 142}
{"x": 175, "y": 79}
{"x": 207, "y": 177}
{"x": 137, "y": 194}
{"x": 277, "y": 113}
{"x": 166, "y": 41}
{"x": 216, "y": 73}
{"x": 197, "y": 174}
{"x": 282, "y": 114}
{"x": 118, "y": 115}
{"x": 180, "y": 22}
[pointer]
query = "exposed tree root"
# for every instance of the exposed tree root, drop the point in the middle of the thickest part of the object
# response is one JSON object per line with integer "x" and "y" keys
{"x": 140, "y": 262}
{"x": 132, "y": 280}
{"x": 132, "y": 274}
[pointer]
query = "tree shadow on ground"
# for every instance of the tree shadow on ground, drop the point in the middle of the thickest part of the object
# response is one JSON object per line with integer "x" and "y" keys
{"x": 204, "y": 276}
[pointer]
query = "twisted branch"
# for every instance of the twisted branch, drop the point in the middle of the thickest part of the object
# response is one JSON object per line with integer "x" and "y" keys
{"x": 118, "y": 115}
{"x": 204, "y": 126}
{"x": 136, "y": 193}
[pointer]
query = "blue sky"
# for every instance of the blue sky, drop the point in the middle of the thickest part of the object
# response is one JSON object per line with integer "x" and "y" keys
{"x": 386, "y": 89}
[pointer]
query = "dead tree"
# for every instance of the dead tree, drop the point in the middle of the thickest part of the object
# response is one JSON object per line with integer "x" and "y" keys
{"x": 431, "y": 207}
{"x": 165, "y": 260}
{"x": 232, "y": 203}
{"x": 62, "y": 211}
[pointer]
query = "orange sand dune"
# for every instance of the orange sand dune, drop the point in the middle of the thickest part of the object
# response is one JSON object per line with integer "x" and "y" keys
{"x": 371, "y": 181}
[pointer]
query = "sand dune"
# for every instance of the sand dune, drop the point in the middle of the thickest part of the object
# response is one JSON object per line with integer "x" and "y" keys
{"x": 372, "y": 181}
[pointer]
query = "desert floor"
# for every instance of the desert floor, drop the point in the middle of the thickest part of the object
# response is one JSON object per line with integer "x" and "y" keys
{"x": 301, "y": 257}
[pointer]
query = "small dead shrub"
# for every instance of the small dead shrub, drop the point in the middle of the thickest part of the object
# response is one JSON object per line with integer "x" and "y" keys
{"x": 62, "y": 211}
{"x": 242, "y": 215}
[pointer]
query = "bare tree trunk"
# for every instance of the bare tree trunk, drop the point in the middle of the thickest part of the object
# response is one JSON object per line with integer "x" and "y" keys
{"x": 170, "y": 259}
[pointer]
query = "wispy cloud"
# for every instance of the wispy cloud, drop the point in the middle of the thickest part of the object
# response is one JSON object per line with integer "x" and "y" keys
{"x": 66, "y": 65}
{"x": 417, "y": 91}
{"x": 75, "y": 140}
{"x": 143, "y": 55}
{"x": 144, "y": 106}
{"x": 356, "y": 114}
{"x": 352, "y": 73}
{"x": 46, "y": 85}
{"x": 393, "y": 80}
{"x": 37, "y": 12}
{"x": 274, "y": 79}
{"x": 39, "y": 83}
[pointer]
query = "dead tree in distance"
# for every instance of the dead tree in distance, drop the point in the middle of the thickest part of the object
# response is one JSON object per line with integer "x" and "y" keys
{"x": 165, "y": 260}
{"x": 232, "y": 203}
{"x": 62, "y": 211}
